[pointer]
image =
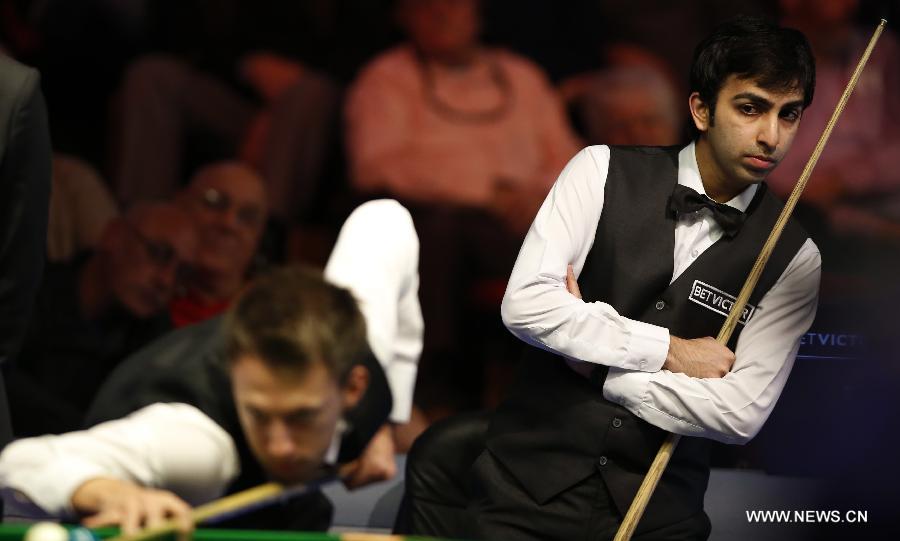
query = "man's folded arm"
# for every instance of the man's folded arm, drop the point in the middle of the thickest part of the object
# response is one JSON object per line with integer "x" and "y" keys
{"x": 537, "y": 307}
{"x": 732, "y": 409}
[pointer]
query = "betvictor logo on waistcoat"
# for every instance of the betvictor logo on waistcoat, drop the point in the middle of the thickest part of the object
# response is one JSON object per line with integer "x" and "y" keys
{"x": 718, "y": 301}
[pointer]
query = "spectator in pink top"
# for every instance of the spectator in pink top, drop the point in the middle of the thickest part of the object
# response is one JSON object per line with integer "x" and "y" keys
{"x": 442, "y": 119}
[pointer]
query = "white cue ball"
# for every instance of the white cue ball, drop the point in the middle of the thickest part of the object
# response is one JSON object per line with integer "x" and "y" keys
{"x": 47, "y": 531}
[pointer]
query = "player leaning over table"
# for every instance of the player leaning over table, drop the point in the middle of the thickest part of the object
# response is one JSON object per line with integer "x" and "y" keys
{"x": 658, "y": 238}
{"x": 284, "y": 388}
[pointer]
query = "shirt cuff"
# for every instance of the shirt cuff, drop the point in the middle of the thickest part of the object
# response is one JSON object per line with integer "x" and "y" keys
{"x": 402, "y": 379}
{"x": 648, "y": 346}
{"x": 626, "y": 388}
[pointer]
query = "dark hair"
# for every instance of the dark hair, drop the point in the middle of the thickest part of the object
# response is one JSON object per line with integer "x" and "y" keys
{"x": 290, "y": 318}
{"x": 752, "y": 47}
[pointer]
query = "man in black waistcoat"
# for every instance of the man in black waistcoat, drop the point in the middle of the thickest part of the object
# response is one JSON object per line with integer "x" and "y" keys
{"x": 661, "y": 241}
{"x": 285, "y": 388}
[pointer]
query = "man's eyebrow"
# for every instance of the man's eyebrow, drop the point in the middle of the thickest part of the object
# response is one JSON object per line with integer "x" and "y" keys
{"x": 756, "y": 98}
{"x": 752, "y": 97}
{"x": 303, "y": 410}
{"x": 299, "y": 410}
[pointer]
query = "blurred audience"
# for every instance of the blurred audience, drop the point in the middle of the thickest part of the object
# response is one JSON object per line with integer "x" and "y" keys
{"x": 470, "y": 138}
{"x": 668, "y": 30}
{"x": 80, "y": 208}
{"x": 626, "y": 105}
{"x": 93, "y": 311}
{"x": 227, "y": 202}
{"x": 250, "y": 98}
{"x": 856, "y": 184}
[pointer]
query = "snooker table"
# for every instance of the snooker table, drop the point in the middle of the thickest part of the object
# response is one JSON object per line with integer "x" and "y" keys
{"x": 16, "y": 532}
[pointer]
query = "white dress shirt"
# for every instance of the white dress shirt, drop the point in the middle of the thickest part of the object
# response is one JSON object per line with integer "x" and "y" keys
{"x": 538, "y": 309}
{"x": 376, "y": 256}
{"x": 176, "y": 446}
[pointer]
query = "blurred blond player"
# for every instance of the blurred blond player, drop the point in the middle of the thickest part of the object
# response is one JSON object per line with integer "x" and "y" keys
{"x": 284, "y": 389}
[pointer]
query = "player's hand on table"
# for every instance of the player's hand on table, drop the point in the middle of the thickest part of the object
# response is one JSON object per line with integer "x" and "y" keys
{"x": 113, "y": 502}
{"x": 376, "y": 463}
{"x": 699, "y": 357}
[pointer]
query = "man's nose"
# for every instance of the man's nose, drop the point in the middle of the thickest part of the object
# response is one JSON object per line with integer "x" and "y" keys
{"x": 279, "y": 443}
{"x": 769, "y": 132}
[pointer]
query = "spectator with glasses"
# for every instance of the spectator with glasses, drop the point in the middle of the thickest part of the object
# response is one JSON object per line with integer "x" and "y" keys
{"x": 227, "y": 201}
{"x": 93, "y": 311}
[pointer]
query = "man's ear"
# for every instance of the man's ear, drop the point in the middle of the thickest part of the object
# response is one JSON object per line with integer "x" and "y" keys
{"x": 700, "y": 112}
{"x": 355, "y": 386}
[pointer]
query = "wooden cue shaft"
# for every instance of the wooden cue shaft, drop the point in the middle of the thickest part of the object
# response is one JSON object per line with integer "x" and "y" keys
{"x": 230, "y": 504}
{"x": 212, "y": 509}
{"x": 658, "y": 466}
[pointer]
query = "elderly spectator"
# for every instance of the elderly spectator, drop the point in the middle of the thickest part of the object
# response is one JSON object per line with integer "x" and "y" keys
{"x": 227, "y": 201}
{"x": 93, "y": 311}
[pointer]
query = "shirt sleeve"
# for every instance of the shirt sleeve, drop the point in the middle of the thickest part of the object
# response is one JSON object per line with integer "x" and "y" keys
{"x": 376, "y": 257}
{"x": 173, "y": 447}
{"x": 538, "y": 309}
{"x": 732, "y": 409}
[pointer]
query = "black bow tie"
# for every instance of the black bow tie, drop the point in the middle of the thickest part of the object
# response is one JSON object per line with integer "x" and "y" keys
{"x": 684, "y": 200}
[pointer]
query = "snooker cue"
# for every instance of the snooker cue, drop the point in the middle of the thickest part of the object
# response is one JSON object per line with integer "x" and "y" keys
{"x": 239, "y": 502}
{"x": 227, "y": 505}
{"x": 639, "y": 504}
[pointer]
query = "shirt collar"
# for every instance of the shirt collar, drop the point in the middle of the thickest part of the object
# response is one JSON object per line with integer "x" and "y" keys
{"x": 689, "y": 175}
{"x": 331, "y": 455}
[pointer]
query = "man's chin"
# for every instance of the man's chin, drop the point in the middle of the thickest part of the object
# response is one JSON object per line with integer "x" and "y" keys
{"x": 754, "y": 176}
{"x": 294, "y": 476}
